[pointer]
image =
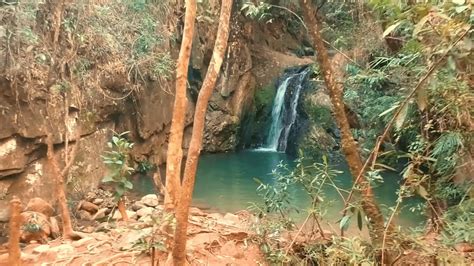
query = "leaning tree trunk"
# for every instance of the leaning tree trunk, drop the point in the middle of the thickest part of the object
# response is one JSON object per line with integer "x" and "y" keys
{"x": 349, "y": 146}
{"x": 59, "y": 175}
{"x": 182, "y": 211}
{"x": 175, "y": 152}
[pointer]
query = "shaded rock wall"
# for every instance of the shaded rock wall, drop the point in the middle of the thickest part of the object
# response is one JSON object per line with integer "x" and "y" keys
{"x": 108, "y": 100}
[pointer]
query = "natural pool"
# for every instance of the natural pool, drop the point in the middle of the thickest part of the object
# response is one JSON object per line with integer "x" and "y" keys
{"x": 225, "y": 183}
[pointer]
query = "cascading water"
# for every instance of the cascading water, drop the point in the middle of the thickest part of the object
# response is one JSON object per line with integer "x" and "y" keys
{"x": 284, "y": 117}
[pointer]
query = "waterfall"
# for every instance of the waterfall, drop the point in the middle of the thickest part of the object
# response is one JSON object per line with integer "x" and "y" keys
{"x": 284, "y": 117}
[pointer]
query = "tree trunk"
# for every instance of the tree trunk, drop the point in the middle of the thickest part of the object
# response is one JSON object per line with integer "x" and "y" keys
{"x": 122, "y": 209}
{"x": 14, "y": 252}
{"x": 175, "y": 152}
{"x": 59, "y": 175}
{"x": 349, "y": 146}
{"x": 182, "y": 211}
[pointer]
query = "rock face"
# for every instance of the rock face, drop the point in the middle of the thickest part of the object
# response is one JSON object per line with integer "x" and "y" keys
{"x": 257, "y": 55}
{"x": 108, "y": 99}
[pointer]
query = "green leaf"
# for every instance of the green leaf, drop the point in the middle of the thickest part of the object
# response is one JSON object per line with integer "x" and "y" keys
{"x": 120, "y": 190}
{"x": 258, "y": 181}
{"x": 460, "y": 9}
{"x": 124, "y": 133}
{"x": 401, "y": 117}
{"x": 115, "y": 139}
{"x": 422, "y": 99}
{"x": 386, "y": 166}
{"x": 391, "y": 28}
{"x": 128, "y": 185}
{"x": 107, "y": 178}
{"x": 344, "y": 224}
{"x": 359, "y": 220}
{"x": 459, "y": 2}
{"x": 389, "y": 110}
{"x": 422, "y": 191}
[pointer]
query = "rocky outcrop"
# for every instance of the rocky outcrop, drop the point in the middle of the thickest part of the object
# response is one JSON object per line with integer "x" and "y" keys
{"x": 256, "y": 57}
{"x": 98, "y": 95}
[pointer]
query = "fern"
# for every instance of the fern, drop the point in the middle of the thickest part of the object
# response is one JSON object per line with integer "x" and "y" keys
{"x": 445, "y": 151}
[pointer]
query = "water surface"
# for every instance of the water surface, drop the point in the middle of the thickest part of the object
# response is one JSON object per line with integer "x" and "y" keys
{"x": 225, "y": 183}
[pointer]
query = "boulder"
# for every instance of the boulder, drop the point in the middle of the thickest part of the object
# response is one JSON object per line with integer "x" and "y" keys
{"x": 150, "y": 200}
{"x": 147, "y": 211}
{"x": 41, "y": 206}
{"x": 84, "y": 215}
{"x": 34, "y": 226}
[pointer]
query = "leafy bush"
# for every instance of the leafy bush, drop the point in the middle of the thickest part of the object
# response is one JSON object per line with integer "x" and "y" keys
{"x": 117, "y": 162}
{"x": 457, "y": 223}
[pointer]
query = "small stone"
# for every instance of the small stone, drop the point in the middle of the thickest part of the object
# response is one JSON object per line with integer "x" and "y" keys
{"x": 98, "y": 201}
{"x": 91, "y": 195}
{"x": 138, "y": 205}
{"x": 101, "y": 213}
{"x": 41, "y": 206}
{"x": 130, "y": 214}
{"x": 229, "y": 217}
{"x": 84, "y": 215}
{"x": 88, "y": 229}
{"x": 41, "y": 249}
{"x": 103, "y": 227}
{"x": 145, "y": 220}
{"x": 89, "y": 207}
{"x": 150, "y": 200}
{"x": 4, "y": 214}
{"x": 147, "y": 211}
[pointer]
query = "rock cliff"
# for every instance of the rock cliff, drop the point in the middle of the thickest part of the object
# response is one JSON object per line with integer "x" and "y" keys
{"x": 109, "y": 68}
